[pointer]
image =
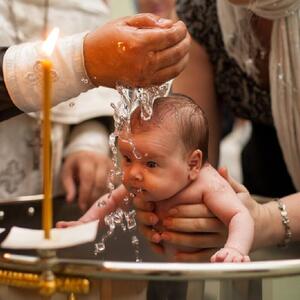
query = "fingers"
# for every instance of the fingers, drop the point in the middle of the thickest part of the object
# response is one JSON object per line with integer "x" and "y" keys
{"x": 246, "y": 258}
{"x": 68, "y": 182}
{"x": 150, "y": 234}
{"x": 171, "y": 56}
{"x": 148, "y": 20}
{"x": 212, "y": 240}
{"x": 86, "y": 184}
{"x": 237, "y": 187}
{"x": 194, "y": 225}
{"x": 229, "y": 255}
{"x": 100, "y": 183}
{"x": 190, "y": 211}
{"x": 159, "y": 39}
{"x": 158, "y": 249}
{"x": 65, "y": 224}
{"x": 146, "y": 218}
{"x": 170, "y": 72}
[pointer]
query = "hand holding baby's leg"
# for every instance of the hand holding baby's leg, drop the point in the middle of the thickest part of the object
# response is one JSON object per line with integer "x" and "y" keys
{"x": 229, "y": 255}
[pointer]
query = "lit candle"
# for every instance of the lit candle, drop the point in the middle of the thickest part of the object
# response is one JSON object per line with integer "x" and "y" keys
{"x": 47, "y": 47}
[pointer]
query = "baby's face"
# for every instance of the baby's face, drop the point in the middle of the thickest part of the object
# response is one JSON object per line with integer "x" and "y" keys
{"x": 159, "y": 169}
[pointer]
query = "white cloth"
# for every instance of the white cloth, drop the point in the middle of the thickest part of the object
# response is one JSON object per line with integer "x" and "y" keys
{"x": 24, "y": 77}
{"x": 284, "y": 66}
{"x": 90, "y": 136}
{"x": 19, "y": 169}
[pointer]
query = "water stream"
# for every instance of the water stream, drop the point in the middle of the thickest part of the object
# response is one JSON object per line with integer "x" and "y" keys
{"x": 130, "y": 99}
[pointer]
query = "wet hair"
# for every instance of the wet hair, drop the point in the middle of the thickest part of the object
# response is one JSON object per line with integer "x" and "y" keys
{"x": 192, "y": 125}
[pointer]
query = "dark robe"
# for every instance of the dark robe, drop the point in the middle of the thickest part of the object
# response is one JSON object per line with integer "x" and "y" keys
{"x": 7, "y": 107}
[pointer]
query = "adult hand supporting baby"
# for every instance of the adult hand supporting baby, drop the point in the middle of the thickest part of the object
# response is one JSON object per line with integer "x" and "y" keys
{"x": 141, "y": 50}
{"x": 190, "y": 225}
{"x": 193, "y": 225}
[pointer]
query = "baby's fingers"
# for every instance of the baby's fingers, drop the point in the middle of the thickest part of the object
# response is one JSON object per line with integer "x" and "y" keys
{"x": 65, "y": 224}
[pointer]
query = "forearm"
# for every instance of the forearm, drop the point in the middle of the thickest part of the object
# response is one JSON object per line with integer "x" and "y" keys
{"x": 269, "y": 230}
{"x": 105, "y": 205}
{"x": 240, "y": 232}
{"x": 23, "y": 76}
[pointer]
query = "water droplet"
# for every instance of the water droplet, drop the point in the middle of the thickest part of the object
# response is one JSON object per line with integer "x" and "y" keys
{"x": 130, "y": 219}
{"x": 84, "y": 80}
{"x": 101, "y": 203}
{"x": 99, "y": 247}
{"x": 134, "y": 240}
{"x": 280, "y": 76}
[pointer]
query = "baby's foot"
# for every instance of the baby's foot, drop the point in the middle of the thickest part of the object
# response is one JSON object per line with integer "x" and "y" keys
{"x": 66, "y": 224}
{"x": 229, "y": 255}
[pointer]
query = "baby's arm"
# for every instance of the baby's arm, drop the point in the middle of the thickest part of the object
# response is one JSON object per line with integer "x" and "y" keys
{"x": 223, "y": 202}
{"x": 99, "y": 211}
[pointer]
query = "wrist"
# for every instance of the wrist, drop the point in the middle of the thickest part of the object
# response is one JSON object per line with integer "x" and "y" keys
{"x": 269, "y": 230}
{"x": 95, "y": 73}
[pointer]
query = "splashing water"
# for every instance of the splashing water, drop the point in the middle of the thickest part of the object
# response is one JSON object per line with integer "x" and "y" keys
{"x": 130, "y": 99}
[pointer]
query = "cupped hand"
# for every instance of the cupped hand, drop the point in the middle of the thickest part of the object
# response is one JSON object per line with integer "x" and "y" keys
{"x": 141, "y": 50}
{"x": 84, "y": 174}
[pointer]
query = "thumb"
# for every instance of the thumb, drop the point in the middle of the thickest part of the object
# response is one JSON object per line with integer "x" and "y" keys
{"x": 237, "y": 187}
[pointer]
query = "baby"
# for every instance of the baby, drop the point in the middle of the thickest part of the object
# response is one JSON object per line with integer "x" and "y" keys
{"x": 170, "y": 151}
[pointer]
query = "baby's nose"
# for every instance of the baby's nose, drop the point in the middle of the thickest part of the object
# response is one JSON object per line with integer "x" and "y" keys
{"x": 136, "y": 173}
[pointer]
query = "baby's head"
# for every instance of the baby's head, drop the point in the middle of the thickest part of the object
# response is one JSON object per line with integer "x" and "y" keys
{"x": 170, "y": 148}
{"x": 179, "y": 117}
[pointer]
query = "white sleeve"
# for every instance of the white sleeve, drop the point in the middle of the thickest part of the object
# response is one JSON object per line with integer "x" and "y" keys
{"x": 89, "y": 136}
{"x": 23, "y": 73}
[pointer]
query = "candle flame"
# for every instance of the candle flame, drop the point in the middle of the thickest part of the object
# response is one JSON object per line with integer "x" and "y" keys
{"x": 49, "y": 43}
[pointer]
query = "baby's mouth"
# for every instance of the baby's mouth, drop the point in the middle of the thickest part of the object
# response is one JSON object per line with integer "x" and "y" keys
{"x": 136, "y": 191}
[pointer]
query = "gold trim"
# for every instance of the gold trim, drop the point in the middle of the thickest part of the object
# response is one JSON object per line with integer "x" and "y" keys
{"x": 45, "y": 285}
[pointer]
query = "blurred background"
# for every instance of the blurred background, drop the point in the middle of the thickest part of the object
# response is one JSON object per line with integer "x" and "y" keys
{"x": 122, "y": 8}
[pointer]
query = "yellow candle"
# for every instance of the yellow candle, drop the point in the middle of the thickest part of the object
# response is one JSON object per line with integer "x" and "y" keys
{"x": 47, "y": 48}
{"x": 47, "y": 169}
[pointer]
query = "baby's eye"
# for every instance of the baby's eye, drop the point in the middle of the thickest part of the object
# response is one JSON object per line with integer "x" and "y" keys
{"x": 151, "y": 164}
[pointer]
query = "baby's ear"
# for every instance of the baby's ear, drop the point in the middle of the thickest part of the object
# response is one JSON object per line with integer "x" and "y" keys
{"x": 195, "y": 164}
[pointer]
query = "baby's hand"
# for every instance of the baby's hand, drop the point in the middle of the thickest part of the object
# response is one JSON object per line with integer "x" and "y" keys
{"x": 65, "y": 224}
{"x": 229, "y": 255}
